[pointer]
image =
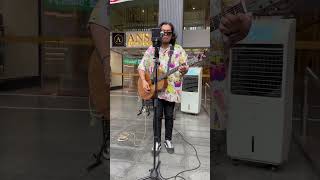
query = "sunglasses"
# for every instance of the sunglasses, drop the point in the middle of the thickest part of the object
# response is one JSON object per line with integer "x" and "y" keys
{"x": 167, "y": 33}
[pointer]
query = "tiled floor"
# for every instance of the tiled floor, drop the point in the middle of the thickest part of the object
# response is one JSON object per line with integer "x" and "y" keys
{"x": 48, "y": 137}
{"x": 43, "y": 137}
{"x": 132, "y": 159}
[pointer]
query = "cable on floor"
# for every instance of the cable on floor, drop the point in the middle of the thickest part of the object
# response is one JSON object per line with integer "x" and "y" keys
{"x": 177, "y": 175}
{"x": 124, "y": 136}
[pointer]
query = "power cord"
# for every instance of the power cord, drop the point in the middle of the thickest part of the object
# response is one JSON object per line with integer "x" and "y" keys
{"x": 145, "y": 118}
{"x": 177, "y": 175}
{"x": 124, "y": 136}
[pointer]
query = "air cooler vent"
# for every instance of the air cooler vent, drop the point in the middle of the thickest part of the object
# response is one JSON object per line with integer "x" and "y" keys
{"x": 257, "y": 70}
{"x": 190, "y": 83}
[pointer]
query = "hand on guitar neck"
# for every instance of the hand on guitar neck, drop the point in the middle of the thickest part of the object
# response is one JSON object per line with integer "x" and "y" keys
{"x": 234, "y": 23}
{"x": 183, "y": 69}
{"x": 235, "y": 27}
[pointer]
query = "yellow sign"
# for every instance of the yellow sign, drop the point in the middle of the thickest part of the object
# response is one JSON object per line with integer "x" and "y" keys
{"x": 138, "y": 39}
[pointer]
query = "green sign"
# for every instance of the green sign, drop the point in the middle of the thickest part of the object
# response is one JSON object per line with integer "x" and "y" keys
{"x": 69, "y": 5}
{"x": 131, "y": 61}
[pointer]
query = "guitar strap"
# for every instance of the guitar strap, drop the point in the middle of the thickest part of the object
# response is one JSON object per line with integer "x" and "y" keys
{"x": 169, "y": 61}
{"x": 170, "y": 55}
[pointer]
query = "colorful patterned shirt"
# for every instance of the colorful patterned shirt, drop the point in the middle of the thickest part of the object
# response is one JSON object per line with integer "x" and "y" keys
{"x": 218, "y": 70}
{"x": 101, "y": 14}
{"x": 173, "y": 91}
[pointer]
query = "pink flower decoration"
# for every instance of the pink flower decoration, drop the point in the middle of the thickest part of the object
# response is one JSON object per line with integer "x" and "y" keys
{"x": 177, "y": 84}
{"x": 172, "y": 65}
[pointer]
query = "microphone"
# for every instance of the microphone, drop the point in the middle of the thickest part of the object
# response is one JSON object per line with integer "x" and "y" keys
{"x": 161, "y": 34}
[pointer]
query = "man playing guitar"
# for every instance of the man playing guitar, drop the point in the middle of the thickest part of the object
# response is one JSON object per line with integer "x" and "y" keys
{"x": 171, "y": 94}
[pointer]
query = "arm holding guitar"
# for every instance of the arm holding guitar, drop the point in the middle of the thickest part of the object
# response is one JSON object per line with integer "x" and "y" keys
{"x": 145, "y": 84}
{"x": 183, "y": 69}
{"x": 235, "y": 27}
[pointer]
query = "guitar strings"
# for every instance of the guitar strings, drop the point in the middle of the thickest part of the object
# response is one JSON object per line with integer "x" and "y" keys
{"x": 232, "y": 9}
{"x": 237, "y": 8}
{"x": 125, "y": 135}
{"x": 195, "y": 61}
{"x": 216, "y": 20}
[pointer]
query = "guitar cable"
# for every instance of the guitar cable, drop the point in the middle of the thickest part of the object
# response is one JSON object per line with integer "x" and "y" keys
{"x": 124, "y": 136}
{"x": 178, "y": 174}
{"x": 145, "y": 130}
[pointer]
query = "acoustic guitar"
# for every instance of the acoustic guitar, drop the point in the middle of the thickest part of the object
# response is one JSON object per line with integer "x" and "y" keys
{"x": 162, "y": 78}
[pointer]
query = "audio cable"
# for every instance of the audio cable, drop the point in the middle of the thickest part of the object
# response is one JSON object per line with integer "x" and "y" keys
{"x": 178, "y": 175}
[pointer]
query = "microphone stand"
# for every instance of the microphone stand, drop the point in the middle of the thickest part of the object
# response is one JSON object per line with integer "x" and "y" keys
{"x": 154, "y": 173}
{"x": 104, "y": 146}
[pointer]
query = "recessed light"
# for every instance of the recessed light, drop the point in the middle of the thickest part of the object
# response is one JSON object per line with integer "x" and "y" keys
{"x": 193, "y": 8}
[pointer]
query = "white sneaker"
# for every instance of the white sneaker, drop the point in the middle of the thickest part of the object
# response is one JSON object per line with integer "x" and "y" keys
{"x": 169, "y": 146}
{"x": 158, "y": 147}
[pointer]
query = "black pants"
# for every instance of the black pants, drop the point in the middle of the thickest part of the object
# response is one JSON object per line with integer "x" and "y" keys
{"x": 167, "y": 108}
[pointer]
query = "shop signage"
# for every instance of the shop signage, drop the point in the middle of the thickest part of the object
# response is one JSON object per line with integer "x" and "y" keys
{"x": 131, "y": 61}
{"x": 118, "y": 39}
{"x": 138, "y": 39}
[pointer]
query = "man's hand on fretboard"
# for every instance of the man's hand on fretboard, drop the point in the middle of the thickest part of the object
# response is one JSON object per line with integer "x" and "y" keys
{"x": 235, "y": 27}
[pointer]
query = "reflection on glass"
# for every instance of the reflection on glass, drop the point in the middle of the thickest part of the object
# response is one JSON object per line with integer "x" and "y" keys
{"x": 64, "y": 67}
{"x": 196, "y": 14}
{"x": 137, "y": 15}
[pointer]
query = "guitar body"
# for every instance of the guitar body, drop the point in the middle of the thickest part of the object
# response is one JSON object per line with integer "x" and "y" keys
{"x": 160, "y": 86}
{"x": 162, "y": 78}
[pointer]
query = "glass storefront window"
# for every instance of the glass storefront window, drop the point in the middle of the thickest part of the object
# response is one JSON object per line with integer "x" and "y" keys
{"x": 196, "y": 14}
{"x": 136, "y": 15}
{"x": 64, "y": 68}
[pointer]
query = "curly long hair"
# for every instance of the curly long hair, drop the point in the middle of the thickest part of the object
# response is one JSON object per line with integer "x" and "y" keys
{"x": 174, "y": 36}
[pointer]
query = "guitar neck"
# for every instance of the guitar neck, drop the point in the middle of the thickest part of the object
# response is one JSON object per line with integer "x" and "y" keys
{"x": 236, "y": 9}
{"x": 171, "y": 71}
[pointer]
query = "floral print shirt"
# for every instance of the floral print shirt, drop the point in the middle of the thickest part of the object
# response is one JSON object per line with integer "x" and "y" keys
{"x": 219, "y": 70}
{"x": 173, "y": 91}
